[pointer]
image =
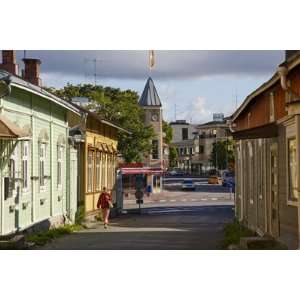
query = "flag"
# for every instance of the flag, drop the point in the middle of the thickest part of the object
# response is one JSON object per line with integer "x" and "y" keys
{"x": 151, "y": 59}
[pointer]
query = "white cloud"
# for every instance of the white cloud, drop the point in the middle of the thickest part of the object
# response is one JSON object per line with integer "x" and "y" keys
{"x": 196, "y": 112}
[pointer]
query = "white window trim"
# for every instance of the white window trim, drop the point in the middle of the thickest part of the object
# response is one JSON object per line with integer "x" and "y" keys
{"x": 289, "y": 200}
{"x": 42, "y": 158}
{"x": 60, "y": 155}
{"x": 25, "y": 158}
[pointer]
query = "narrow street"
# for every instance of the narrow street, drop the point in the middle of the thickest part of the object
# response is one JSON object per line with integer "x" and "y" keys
{"x": 174, "y": 219}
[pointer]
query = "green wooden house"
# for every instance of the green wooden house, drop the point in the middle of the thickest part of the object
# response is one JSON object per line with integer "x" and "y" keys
{"x": 38, "y": 163}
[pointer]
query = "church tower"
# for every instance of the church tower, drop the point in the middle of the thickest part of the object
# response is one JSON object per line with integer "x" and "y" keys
{"x": 151, "y": 104}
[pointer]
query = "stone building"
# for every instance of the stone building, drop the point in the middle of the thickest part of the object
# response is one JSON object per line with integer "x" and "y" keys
{"x": 151, "y": 104}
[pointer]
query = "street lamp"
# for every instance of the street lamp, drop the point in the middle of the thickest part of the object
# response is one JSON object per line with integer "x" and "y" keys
{"x": 215, "y": 134}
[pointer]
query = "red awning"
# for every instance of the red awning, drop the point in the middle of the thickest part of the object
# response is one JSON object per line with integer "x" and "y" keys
{"x": 133, "y": 171}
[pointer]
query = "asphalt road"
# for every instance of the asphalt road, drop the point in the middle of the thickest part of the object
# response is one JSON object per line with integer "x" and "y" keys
{"x": 181, "y": 227}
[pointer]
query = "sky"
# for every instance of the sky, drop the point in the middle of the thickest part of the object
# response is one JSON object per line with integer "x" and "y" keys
{"x": 192, "y": 85}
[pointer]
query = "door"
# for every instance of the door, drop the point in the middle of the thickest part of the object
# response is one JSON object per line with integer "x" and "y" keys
{"x": 274, "y": 205}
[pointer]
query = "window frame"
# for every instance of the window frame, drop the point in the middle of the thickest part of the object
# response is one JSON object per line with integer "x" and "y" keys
{"x": 155, "y": 151}
{"x": 60, "y": 155}
{"x": 90, "y": 172}
{"x": 42, "y": 160}
{"x": 98, "y": 166}
{"x": 25, "y": 161}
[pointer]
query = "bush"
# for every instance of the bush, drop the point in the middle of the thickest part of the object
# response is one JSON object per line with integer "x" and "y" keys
{"x": 80, "y": 215}
{"x": 233, "y": 233}
{"x": 44, "y": 237}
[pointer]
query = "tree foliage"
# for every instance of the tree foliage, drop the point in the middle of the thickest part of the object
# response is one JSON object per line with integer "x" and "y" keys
{"x": 120, "y": 107}
{"x": 222, "y": 155}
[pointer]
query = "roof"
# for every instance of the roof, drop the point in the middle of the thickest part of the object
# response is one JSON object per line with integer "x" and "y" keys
{"x": 97, "y": 117}
{"x": 290, "y": 63}
{"x": 213, "y": 123}
{"x": 9, "y": 130}
{"x": 149, "y": 96}
{"x": 25, "y": 85}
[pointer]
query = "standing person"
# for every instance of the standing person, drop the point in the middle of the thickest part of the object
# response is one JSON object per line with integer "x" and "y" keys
{"x": 105, "y": 203}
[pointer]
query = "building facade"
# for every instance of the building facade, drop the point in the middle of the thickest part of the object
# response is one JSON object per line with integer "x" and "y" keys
{"x": 266, "y": 128}
{"x": 187, "y": 146}
{"x": 38, "y": 165}
{"x": 208, "y": 134}
{"x": 97, "y": 148}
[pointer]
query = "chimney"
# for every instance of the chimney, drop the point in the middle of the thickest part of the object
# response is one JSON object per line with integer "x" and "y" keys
{"x": 9, "y": 61}
{"x": 32, "y": 70}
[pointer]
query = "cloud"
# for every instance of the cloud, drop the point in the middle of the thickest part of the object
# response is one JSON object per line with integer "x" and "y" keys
{"x": 196, "y": 112}
{"x": 170, "y": 64}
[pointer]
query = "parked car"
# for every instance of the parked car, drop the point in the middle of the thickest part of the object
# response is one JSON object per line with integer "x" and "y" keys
{"x": 228, "y": 179}
{"x": 176, "y": 173}
{"x": 214, "y": 180}
{"x": 188, "y": 184}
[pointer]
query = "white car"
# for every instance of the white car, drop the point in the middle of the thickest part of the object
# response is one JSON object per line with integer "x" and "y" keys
{"x": 188, "y": 184}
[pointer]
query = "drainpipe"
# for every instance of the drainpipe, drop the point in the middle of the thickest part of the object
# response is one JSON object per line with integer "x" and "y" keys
{"x": 282, "y": 71}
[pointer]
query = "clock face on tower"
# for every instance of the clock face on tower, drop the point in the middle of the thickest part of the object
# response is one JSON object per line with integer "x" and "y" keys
{"x": 154, "y": 117}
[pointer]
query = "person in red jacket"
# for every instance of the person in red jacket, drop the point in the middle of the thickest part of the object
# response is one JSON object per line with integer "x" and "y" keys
{"x": 105, "y": 203}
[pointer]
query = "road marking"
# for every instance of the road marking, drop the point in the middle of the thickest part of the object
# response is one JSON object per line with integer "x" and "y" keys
{"x": 173, "y": 200}
{"x": 162, "y": 200}
{"x": 183, "y": 200}
{"x": 214, "y": 199}
{"x": 204, "y": 199}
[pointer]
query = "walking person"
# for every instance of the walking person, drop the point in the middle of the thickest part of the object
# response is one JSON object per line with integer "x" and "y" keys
{"x": 105, "y": 203}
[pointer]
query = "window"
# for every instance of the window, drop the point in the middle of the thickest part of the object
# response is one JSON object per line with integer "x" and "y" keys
{"x": 59, "y": 164}
{"x": 201, "y": 149}
{"x": 103, "y": 172}
{"x": 90, "y": 168}
{"x": 109, "y": 171}
{"x": 191, "y": 150}
{"x": 42, "y": 154}
{"x": 155, "y": 149}
{"x": 185, "y": 133}
{"x": 292, "y": 168}
{"x": 12, "y": 176}
{"x": 272, "y": 108}
{"x": 98, "y": 171}
{"x": 25, "y": 171}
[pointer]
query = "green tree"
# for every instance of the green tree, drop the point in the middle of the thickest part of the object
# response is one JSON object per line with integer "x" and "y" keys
{"x": 168, "y": 132}
{"x": 222, "y": 154}
{"x": 173, "y": 157}
{"x": 120, "y": 107}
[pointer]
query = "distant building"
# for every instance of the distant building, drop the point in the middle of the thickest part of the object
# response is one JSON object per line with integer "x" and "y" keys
{"x": 81, "y": 101}
{"x": 186, "y": 144}
{"x": 208, "y": 134}
{"x": 194, "y": 143}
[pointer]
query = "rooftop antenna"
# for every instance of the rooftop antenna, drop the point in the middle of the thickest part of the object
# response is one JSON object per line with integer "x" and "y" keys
{"x": 95, "y": 62}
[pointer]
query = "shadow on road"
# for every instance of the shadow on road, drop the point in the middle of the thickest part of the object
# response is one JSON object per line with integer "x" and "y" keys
{"x": 201, "y": 228}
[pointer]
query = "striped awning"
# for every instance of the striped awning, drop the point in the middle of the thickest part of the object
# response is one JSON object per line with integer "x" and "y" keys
{"x": 9, "y": 130}
{"x": 145, "y": 170}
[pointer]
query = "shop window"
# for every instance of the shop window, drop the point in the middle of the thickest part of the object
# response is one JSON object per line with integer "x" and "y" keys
{"x": 201, "y": 149}
{"x": 90, "y": 173}
{"x": 292, "y": 169}
{"x": 42, "y": 158}
{"x": 25, "y": 171}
